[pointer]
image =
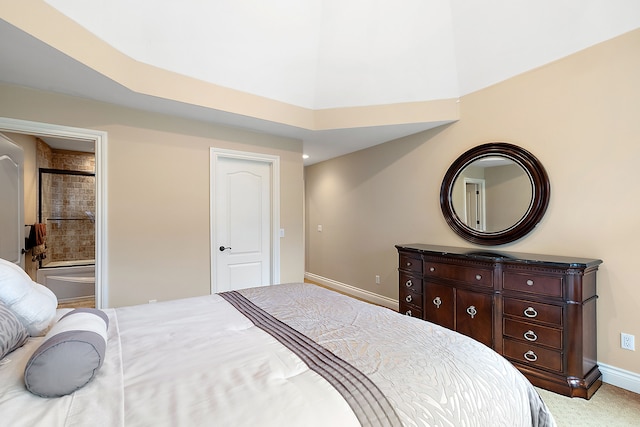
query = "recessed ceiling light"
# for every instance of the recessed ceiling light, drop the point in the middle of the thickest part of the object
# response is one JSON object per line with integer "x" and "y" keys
{"x": 305, "y": 156}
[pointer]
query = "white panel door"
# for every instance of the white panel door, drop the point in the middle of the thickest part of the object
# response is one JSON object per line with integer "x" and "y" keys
{"x": 12, "y": 205}
{"x": 242, "y": 238}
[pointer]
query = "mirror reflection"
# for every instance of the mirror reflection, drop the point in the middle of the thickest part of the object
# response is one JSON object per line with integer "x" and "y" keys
{"x": 492, "y": 194}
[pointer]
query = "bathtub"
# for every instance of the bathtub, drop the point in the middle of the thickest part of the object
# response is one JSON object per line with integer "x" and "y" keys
{"x": 69, "y": 280}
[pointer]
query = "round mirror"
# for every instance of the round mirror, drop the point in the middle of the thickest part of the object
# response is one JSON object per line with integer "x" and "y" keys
{"x": 494, "y": 194}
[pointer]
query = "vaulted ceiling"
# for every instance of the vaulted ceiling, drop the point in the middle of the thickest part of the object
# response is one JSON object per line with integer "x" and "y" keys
{"x": 340, "y": 75}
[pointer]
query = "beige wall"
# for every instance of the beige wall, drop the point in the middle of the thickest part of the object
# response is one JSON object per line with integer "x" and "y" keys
{"x": 158, "y": 192}
{"x": 579, "y": 116}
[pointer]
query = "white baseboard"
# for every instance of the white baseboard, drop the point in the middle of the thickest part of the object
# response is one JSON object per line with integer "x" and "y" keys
{"x": 353, "y": 291}
{"x": 610, "y": 374}
{"x": 620, "y": 378}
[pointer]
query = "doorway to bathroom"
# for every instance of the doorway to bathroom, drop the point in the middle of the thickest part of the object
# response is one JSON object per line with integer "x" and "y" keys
{"x": 75, "y": 138}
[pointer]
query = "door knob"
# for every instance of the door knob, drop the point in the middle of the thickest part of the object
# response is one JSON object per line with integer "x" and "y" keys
{"x": 222, "y": 248}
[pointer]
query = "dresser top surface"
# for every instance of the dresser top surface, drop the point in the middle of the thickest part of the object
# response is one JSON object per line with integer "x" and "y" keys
{"x": 503, "y": 256}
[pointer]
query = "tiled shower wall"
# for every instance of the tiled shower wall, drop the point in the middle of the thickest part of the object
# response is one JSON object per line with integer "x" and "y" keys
{"x": 68, "y": 204}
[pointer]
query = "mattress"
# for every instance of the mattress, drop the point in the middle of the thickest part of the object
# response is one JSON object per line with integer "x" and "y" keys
{"x": 291, "y": 354}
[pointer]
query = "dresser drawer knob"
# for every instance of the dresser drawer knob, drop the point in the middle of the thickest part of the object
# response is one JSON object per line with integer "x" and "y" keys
{"x": 408, "y": 313}
{"x": 530, "y": 312}
{"x": 408, "y": 298}
{"x": 437, "y": 302}
{"x": 530, "y": 282}
{"x": 471, "y": 311}
{"x": 530, "y": 356}
{"x": 408, "y": 264}
{"x": 432, "y": 269}
{"x": 478, "y": 277}
{"x": 408, "y": 283}
{"x": 530, "y": 335}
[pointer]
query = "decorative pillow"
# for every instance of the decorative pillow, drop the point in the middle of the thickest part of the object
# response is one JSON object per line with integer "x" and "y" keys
{"x": 71, "y": 354}
{"x": 13, "y": 334}
{"x": 35, "y": 305}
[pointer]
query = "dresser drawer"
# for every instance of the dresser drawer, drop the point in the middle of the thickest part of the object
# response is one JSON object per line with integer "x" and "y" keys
{"x": 407, "y": 296}
{"x": 532, "y": 355}
{"x": 470, "y": 275}
{"x": 532, "y": 283}
{"x": 411, "y": 262}
{"x": 409, "y": 310}
{"x": 533, "y": 311}
{"x": 410, "y": 283}
{"x": 535, "y": 334}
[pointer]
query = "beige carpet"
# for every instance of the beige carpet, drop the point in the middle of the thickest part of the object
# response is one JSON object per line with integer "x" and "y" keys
{"x": 610, "y": 406}
{"x": 78, "y": 302}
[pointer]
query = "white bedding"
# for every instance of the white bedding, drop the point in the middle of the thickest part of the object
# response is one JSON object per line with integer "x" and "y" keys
{"x": 200, "y": 362}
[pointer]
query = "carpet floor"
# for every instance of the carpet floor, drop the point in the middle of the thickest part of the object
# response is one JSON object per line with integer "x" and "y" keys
{"x": 610, "y": 406}
{"x": 88, "y": 302}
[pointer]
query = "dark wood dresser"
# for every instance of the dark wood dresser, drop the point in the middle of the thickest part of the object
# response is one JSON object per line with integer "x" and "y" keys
{"x": 538, "y": 311}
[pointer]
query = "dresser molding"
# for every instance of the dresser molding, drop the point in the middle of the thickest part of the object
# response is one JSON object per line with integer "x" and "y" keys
{"x": 538, "y": 311}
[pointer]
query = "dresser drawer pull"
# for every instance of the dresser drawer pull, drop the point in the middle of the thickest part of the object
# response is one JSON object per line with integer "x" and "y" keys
{"x": 530, "y": 282}
{"x": 530, "y": 312}
{"x": 478, "y": 277}
{"x": 437, "y": 302}
{"x": 471, "y": 311}
{"x": 408, "y": 264}
{"x": 432, "y": 269}
{"x": 530, "y": 356}
{"x": 408, "y": 298}
{"x": 408, "y": 313}
{"x": 530, "y": 336}
{"x": 408, "y": 284}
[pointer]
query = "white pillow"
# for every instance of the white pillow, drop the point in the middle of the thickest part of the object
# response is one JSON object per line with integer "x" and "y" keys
{"x": 34, "y": 304}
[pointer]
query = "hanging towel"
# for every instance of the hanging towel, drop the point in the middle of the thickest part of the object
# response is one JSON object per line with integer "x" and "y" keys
{"x": 41, "y": 233}
{"x": 40, "y": 249}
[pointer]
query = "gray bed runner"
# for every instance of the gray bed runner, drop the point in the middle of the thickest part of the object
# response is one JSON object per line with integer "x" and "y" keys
{"x": 366, "y": 400}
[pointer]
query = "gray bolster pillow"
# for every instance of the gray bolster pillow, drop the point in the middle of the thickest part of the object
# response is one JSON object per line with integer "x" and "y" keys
{"x": 71, "y": 354}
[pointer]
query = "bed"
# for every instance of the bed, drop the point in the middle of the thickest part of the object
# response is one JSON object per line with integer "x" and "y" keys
{"x": 282, "y": 355}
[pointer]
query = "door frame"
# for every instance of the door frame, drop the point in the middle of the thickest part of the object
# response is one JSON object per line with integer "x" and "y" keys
{"x": 99, "y": 139}
{"x": 480, "y": 206}
{"x": 274, "y": 166}
{"x": 21, "y": 222}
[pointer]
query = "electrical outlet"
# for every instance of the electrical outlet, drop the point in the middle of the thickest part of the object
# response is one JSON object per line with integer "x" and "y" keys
{"x": 377, "y": 279}
{"x": 628, "y": 341}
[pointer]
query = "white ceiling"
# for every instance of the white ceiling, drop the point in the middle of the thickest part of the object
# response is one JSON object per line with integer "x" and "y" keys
{"x": 318, "y": 53}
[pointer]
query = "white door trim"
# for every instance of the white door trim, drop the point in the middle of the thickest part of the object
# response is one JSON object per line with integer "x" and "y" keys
{"x": 99, "y": 138}
{"x": 16, "y": 153}
{"x": 481, "y": 209}
{"x": 274, "y": 163}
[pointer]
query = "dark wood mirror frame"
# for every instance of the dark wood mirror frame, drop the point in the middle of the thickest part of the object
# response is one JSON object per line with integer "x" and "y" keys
{"x": 541, "y": 190}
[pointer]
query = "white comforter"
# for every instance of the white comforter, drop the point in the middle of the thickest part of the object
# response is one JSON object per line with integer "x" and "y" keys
{"x": 200, "y": 362}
